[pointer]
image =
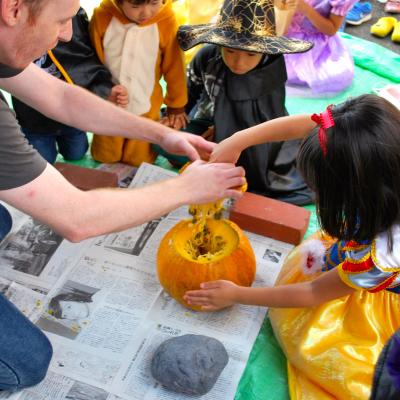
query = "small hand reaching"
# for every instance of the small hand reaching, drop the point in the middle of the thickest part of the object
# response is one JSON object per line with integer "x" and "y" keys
{"x": 291, "y": 4}
{"x": 226, "y": 151}
{"x": 213, "y": 295}
{"x": 119, "y": 96}
{"x": 176, "y": 121}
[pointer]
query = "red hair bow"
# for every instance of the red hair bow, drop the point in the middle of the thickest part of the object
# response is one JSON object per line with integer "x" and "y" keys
{"x": 325, "y": 121}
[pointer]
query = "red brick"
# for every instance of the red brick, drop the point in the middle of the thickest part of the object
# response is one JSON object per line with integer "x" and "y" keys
{"x": 272, "y": 218}
{"x": 87, "y": 178}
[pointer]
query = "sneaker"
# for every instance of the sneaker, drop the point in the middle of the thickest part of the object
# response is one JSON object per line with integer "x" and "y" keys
{"x": 361, "y": 12}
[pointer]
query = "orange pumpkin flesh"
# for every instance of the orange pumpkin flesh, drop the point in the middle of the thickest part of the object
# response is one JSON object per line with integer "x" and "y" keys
{"x": 188, "y": 256}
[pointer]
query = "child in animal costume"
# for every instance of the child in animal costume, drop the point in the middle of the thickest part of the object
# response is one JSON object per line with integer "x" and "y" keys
{"x": 237, "y": 81}
{"x": 136, "y": 40}
{"x": 337, "y": 299}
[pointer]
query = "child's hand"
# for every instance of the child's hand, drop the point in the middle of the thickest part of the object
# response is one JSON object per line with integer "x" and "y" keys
{"x": 291, "y": 4}
{"x": 302, "y": 6}
{"x": 119, "y": 96}
{"x": 226, "y": 151}
{"x": 286, "y": 4}
{"x": 209, "y": 134}
{"x": 176, "y": 121}
{"x": 213, "y": 295}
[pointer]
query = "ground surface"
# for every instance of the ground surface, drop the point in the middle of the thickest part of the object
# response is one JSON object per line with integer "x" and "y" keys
{"x": 363, "y": 30}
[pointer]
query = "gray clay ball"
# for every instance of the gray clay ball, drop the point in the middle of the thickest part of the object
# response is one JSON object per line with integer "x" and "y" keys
{"x": 189, "y": 364}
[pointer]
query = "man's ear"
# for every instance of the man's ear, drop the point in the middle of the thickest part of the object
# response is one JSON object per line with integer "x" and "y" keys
{"x": 10, "y": 11}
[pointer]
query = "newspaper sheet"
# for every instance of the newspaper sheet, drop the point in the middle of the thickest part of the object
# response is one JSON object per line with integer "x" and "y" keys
{"x": 104, "y": 311}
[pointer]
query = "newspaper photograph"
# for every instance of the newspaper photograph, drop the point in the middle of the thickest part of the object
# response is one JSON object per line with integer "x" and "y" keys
{"x": 31, "y": 255}
{"x": 59, "y": 387}
{"x": 102, "y": 307}
{"x": 140, "y": 242}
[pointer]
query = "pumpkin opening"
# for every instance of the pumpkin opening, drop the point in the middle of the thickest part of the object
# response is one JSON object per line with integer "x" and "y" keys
{"x": 215, "y": 240}
{"x": 204, "y": 248}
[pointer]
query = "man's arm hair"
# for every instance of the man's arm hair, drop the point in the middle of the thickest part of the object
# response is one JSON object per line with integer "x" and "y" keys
{"x": 77, "y": 215}
{"x": 77, "y": 107}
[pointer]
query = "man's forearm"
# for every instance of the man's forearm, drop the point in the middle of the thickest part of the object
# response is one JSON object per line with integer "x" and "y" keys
{"x": 77, "y": 215}
{"x": 77, "y": 107}
{"x": 87, "y": 112}
{"x": 111, "y": 210}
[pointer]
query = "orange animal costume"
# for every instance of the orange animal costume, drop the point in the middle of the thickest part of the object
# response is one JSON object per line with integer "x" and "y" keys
{"x": 138, "y": 56}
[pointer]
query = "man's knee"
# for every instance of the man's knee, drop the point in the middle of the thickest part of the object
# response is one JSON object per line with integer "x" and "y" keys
{"x": 39, "y": 362}
{"x": 29, "y": 366}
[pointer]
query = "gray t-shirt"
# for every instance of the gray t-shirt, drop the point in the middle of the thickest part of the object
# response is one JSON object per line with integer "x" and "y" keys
{"x": 20, "y": 163}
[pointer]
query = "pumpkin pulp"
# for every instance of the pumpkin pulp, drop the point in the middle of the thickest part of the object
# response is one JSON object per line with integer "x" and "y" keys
{"x": 213, "y": 242}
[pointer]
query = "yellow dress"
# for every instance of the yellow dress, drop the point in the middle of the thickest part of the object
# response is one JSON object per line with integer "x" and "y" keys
{"x": 332, "y": 348}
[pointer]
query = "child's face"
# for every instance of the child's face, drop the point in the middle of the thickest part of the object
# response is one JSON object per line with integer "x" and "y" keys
{"x": 240, "y": 62}
{"x": 141, "y": 13}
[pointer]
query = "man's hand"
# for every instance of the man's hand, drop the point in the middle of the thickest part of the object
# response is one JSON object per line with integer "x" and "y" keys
{"x": 213, "y": 295}
{"x": 204, "y": 182}
{"x": 226, "y": 151}
{"x": 119, "y": 96}
{"x": 175, "y": 121}
{"x": 182, "y": 143}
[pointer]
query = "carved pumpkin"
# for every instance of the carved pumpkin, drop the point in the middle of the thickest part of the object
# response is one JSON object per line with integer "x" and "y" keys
{"x": 192, "y": 253}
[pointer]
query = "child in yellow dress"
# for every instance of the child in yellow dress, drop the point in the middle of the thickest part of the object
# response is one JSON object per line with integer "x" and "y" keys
{"x": 136, "y": 40}
{"x": 337, "y": 300}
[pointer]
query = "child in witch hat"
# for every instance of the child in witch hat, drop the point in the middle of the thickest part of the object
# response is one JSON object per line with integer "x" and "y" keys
{"x": 237, "y": 81}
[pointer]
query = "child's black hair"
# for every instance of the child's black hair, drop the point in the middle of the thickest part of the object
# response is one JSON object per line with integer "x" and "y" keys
{"x": 78, "y": 296}
{"x": 357, "y": 183}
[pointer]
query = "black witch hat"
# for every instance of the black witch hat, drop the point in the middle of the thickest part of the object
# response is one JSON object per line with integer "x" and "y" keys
{"x": 247, "y": 25}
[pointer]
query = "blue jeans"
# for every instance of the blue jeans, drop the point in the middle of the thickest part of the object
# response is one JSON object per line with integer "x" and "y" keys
{"x": 70, "y": 142}
{"x": 5, "y": 222}
{"x": 25, "y": 352}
